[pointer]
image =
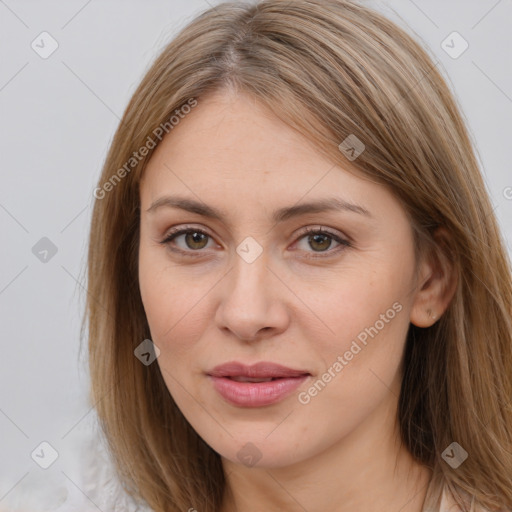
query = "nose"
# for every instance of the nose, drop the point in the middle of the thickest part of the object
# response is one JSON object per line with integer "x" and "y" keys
{"x": 252, "y": 304}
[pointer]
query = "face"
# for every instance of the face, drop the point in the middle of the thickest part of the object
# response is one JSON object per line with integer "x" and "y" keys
{"x": 326, "y": 292}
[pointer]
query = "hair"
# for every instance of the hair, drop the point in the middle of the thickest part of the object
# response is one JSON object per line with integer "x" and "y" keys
{"x": 329, "y": 69}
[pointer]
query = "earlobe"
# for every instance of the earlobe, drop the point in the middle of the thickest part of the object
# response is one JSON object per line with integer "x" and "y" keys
{"x": 432, "y": 314}
{"x": 437, "y": 283}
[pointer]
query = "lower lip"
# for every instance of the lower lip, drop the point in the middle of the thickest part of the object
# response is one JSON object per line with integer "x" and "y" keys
{"x": 256, "y": 394}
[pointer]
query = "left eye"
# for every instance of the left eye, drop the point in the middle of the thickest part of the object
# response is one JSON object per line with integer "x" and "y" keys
{"x": 322, "y": 240}
{"x": 196, "y": 239}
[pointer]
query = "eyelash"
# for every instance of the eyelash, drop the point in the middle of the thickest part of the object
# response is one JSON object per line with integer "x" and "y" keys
{"x": 308, "y": 231}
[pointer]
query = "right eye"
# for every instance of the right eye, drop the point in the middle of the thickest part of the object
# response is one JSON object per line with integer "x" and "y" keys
{"x": 194, "y": 240}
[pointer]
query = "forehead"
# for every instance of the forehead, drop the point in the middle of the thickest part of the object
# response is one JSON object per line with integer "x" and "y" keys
{"x": 235, "y": 136}
{"x": 232, "y": 150}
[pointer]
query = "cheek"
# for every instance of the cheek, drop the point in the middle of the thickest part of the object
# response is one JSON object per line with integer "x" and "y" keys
{"x": 365, "y": 357}
{"x": 361, "y": 366}
{"x": 176, "y": 316}
{"x": 361, "y": 306}
{"x": 178, "y": 309}
{"x": 167, "y": 294}
{"x": 367, "y": 313}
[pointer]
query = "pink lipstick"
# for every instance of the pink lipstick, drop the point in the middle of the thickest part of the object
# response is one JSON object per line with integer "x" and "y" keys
{"x": 260, "y": 384}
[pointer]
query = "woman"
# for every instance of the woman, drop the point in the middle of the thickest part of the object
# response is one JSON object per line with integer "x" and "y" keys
{"x": 299, "y": 298}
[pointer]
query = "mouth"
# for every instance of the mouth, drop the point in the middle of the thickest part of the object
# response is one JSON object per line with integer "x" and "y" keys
{"x": 263, "y": 371}
{"x": 257, "y": 385}
{"x": 241, "y": 378}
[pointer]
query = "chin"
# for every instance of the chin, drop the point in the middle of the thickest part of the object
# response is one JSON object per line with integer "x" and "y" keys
{"x": 258, "y": 452}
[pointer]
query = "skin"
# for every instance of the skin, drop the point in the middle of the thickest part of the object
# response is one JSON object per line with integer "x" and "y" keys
{"x": 341, "y": 451}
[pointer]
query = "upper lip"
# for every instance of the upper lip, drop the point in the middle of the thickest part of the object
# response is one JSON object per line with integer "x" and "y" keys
{"x": 263, "y": 370}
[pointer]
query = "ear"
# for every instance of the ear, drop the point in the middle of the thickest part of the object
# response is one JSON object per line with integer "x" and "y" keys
{"x": 437, "y": 282}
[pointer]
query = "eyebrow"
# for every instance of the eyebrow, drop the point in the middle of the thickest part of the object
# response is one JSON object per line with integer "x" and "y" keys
{"x": 322, "y": 205}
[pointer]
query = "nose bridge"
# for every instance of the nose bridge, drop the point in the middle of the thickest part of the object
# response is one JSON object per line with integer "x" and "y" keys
{"x": 250, "y": 274}
{"x": 249, "y": 302}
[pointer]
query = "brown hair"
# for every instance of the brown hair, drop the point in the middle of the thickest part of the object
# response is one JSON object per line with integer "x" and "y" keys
{"x": 329, "y": 68}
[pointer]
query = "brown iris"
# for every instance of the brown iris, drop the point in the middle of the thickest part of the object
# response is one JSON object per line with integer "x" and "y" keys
{"x": 192, "y": 238}
{"x": 319, "y": 238}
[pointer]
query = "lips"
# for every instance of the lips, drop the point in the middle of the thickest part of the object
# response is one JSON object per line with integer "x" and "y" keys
{"x": 258, "y": 385}
{"x": 259, "y": 372}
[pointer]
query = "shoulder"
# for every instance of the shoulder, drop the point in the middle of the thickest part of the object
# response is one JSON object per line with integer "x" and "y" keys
{"x": 442, "y": 497}
{"x": 99, "y": 481}
{"x": 450, "y": 503}
{"x": 102, "y": 486}
{"x": 86, "y": 482}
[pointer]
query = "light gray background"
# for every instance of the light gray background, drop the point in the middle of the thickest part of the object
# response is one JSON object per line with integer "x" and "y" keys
{"x": 58, "y": 116}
